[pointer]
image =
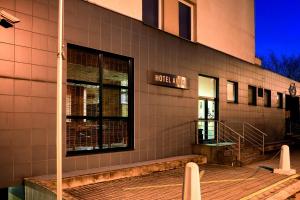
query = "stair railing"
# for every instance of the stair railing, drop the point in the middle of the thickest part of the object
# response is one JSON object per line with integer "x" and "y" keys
{"x": 224, "y": 133}
{"x": 254, "y": 136}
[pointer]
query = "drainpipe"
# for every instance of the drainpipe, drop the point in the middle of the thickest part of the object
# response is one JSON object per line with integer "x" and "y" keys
{"x": 59, "y": 103}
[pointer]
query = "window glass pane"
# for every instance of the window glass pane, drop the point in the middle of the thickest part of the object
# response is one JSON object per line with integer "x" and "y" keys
{"x": 124, "y": 102}
{"x": 115, "y": 102}
{"x": 211, "y": 130}
{"x": 279, "y": 100}
{"x": 115, "y": 71}
{"x": 230, "y": 91}
{"x": 201, "y": 128}
{"x": 115, "y": 133}
{"x": 201, "y": 109}
{"x": 206, "y": 87}
{"x": 184, "y": 21}
{"x": 82, "y": 134}
{"x": 211, "y": 109}
{"x": 82, "y": 66}
{"x": 85, "y": 129}
{"x": 150, "y": 12}
{"x": 82, "y": 100}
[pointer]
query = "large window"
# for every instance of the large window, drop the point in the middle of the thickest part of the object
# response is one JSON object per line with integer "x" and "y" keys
{"x": 267, "y": 98}
{"x": 232, "y": 92}
{"x": 185, "y": 20}
{"x": 151, "y": 12}
{"x": 98, "y": 101}
{"x": 252, "y": 95}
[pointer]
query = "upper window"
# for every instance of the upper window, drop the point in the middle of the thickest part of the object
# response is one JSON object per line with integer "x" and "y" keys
{"x": 267, "y": 98}
{"x": 279, "y": 100}
{"x": 252, "y": 96}
{"x": 98, "y": 101}
{"x": 185, "y": 20}
{"x": 151, "y": 12}
{"x": 260, "y": 92}
{"x": 207, "y": 87}
{"x": 232, "y": 92}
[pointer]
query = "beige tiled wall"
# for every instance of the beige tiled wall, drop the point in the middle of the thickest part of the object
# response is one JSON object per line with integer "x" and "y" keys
{"x": 162, "y": 116}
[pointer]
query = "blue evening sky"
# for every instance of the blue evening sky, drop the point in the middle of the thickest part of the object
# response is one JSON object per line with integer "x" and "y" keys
{"x": 277, "y": 27}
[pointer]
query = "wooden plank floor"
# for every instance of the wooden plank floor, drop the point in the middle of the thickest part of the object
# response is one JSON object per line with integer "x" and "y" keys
{"x": 218, "y": 182}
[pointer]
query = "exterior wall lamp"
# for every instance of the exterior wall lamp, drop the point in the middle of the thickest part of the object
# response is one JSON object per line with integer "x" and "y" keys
{"x": 7, "y": 20}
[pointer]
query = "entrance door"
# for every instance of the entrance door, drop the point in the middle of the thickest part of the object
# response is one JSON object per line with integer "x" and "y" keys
{"x": 292, "y": 120}
{"x": 207, "y": 108}
{"x": 207, "y": 116}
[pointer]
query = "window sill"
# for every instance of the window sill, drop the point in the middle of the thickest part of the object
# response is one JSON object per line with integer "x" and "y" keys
{"x": 98, "y": 151}
{"x": 232, "y": 102}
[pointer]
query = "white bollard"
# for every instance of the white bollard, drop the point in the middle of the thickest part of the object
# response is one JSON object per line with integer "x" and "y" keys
{"x": 191, "y": 185}
{"x": 284, "y": 163}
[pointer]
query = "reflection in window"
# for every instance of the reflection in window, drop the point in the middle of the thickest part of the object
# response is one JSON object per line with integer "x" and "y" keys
{"x": 97, "y": 107}
{"x": 211, "y": 110}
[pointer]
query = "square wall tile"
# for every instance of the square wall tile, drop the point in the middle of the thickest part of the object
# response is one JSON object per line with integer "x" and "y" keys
{"x": 23, "y": 38}
{"x": 7, "y": 51}
{"x": 23, "y": 54}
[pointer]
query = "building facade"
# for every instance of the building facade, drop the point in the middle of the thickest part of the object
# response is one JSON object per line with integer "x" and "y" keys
{"x": 135, "y": 80}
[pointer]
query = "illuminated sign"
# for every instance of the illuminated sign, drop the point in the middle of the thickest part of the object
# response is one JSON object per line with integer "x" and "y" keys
{"x": 168, "y": 80}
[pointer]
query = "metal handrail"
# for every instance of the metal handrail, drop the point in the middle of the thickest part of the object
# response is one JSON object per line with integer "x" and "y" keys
{"x": 253, "y": 131}
{"x": 231, "y": 136}
{"x": 259, "y": 139}
{"x": 256, "y": 129}
{"x": 231, "y": 129}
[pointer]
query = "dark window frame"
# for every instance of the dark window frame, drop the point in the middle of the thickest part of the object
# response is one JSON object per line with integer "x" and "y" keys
{"x": 280, "y": 100}
{"x": 254, "y": 97}
{"x": 145, "y": 11}
{"x": 189, "y": 25}
{"x": 267, "y": 102}
{"x": 100, "y": 118}
{"x": 236, "y": 92}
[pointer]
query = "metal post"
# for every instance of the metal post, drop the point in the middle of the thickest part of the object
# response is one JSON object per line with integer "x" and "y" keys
{"x": 263, "y": 147}
{"x": 239, "y": 156}
{"x": 218, "y": 132}
{"x": 59, "y": 104}
{"x": 243, "y": 132}
{"x": 196, "y": 133}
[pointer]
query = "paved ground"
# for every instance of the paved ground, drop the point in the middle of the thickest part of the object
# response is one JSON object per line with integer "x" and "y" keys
{"x": 218, "y": 182}
{"x": 274, "y": 162}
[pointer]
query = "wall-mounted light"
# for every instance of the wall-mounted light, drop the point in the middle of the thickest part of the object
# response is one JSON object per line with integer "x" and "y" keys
{"x": 7, "y": 20}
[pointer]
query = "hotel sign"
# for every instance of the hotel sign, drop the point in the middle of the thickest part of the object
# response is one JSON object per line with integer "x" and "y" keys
{"x": 168, "y": 80}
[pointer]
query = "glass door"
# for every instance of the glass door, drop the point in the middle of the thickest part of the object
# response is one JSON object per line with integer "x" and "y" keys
{"x": 206, "y": 117}
{"x": 207, "y": 109}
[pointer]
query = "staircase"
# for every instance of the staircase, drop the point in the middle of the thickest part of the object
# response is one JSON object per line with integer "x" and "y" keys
{"x": 233, "y": 148}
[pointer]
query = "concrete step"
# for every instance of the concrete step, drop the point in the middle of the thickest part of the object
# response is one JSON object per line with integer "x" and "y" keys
{"x": 272, "y": 146}
{"x": 85, "y": 177}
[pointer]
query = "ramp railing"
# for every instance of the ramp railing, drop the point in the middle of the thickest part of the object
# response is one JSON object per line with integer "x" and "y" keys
{"x": 254, "y": 136}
